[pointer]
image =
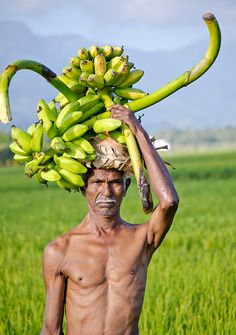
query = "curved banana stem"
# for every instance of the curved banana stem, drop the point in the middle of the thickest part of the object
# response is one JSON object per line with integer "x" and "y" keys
{"x": 189, "y": 76}
{"x": 134, "y": 153}
{"x": 44, "y": 71}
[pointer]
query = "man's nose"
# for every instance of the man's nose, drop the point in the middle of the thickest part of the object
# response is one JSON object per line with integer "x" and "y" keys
{"x": 107, "y": 189}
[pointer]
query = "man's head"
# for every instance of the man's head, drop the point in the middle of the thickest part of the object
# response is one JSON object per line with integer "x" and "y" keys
{"x": 104, "y": 191}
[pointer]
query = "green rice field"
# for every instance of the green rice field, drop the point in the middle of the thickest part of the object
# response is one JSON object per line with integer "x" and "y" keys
{"x": 191, "y": 287}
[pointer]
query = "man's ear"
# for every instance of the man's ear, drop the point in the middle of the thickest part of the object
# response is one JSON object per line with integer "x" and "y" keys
{"x": 127, "y": 183}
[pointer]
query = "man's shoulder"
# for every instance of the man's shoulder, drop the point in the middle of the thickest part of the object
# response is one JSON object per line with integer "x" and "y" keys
{"x": 137, "y": 228}
{"x": 58, "y": 247}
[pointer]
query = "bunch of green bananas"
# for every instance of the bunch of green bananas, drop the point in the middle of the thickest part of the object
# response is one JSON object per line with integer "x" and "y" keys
{"x": 100, "y": 77}
{"x": 94, "y": 80}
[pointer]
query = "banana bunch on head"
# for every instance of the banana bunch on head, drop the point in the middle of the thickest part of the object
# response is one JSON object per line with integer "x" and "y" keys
{"x": 59, "y": 147}
{"x": 70, "y": 137}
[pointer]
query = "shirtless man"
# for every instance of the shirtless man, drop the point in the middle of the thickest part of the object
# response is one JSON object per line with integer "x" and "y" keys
{"x": 98, "y": 270}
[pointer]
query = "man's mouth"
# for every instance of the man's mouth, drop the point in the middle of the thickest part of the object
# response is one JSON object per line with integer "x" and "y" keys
{"x": 106, "y": 203}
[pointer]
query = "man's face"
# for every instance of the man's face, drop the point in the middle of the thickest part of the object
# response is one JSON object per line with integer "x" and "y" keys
{"x": 104, "y": 191}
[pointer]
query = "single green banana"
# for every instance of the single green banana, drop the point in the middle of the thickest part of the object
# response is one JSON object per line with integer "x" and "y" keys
{"x": 115, "y": 62}
{"x": 130, "y": 93}
{"x": 71, "y": 107}
{"x": 71, "y": 177}
{"x": 93, "y": 51}
{"x": 87, "y": 66}
{"x": 70, "y": 164}
{"x": 50, "y": 175}
{"x": 133, "y": 77}
{"x": 58, "y": 145}
{"x": 100, "y": 66}
{"x": 96, "y": 81}
{"x": 21, "y": 158}
{"x": 53, "y": 107}
{"x": 107, "y": 51}
{"x": 88, "y": 101}
{"x": 85, "y": 145}
{"x": 75, "y": 61}
{"x": 72, "y": 72}
{"x": 74, "y": 151}
{"x": 17, "y": 150}
{"x": 110, "y": 77}
{"x": 123, "y": 73}
{"x": 74, "y": 132}
{"x": 90, "y": 122}
{"x": 83, "y": 53}
{"x": 22, "y": 138}
{"x": 101, "y": 126}
{"x": 117, "y": 51}
{"x": 43, "y": 108}
{"x": 37, "y": 138}
{"x": 69, "y": 120}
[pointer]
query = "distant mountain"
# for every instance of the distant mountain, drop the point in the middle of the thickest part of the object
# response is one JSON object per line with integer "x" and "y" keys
{"x": 207, "y": 103}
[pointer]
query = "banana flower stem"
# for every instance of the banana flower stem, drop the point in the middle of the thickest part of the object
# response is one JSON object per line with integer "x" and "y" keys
{"x": 44, "y": 71}
{"x": 189, "y": 76}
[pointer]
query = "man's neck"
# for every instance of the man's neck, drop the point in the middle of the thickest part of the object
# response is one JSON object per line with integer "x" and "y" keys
{"x": 103, "y": 224}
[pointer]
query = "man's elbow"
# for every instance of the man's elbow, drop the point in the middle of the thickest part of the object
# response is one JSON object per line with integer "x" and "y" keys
{"x": 171, "y": 204}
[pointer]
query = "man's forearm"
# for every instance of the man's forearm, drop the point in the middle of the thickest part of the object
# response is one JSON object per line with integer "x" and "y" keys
{"x": 159, "y": 175}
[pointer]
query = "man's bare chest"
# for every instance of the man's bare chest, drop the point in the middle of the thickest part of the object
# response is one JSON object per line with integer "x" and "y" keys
{"x": 91, "y": 262}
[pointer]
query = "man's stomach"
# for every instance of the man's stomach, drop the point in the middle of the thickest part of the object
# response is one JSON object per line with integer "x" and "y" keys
{"x": 107, "y": 309}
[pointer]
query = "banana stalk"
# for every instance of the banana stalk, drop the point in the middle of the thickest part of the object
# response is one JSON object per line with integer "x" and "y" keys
{"x": 189, "y": 76}
{"x": 134, "y": 153}
{"x": 44, "y": 71}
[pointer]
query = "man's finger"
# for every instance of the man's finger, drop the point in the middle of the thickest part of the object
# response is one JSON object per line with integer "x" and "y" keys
{"x": 150, "y": 236}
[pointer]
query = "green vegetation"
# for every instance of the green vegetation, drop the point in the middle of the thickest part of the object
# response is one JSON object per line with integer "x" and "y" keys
{"x": 191, "y": 286}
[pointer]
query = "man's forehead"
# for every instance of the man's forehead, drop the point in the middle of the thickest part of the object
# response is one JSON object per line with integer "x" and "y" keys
{"x": 106, "y": 174}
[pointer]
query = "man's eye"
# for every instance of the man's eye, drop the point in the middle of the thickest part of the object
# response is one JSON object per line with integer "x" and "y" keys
{"x": 117, "y": 182}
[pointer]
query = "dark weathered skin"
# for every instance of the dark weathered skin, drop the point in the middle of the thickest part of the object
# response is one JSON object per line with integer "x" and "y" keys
{"x": 98, "y": 270}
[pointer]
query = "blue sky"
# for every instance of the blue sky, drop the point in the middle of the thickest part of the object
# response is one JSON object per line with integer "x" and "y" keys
{"x": 141, "y": 24}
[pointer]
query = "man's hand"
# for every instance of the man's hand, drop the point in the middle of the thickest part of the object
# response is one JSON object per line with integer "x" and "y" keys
{"x": 125, "y": 115}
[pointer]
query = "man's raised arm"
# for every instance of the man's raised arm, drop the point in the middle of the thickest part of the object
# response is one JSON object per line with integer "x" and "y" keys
{"x": 55, "y": 289}
{"x": 163, "y": 215}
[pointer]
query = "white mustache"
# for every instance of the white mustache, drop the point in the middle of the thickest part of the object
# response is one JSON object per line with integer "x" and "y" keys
{"x": 108, "y": 201}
